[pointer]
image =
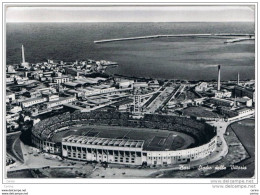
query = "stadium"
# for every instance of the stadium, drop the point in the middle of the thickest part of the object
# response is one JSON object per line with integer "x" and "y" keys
{"x": 115, "y": 137}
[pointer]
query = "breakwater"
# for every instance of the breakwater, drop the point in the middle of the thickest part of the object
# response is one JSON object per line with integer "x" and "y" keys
{"x": 238, "y": 40}
{"x": 220, "y": 35}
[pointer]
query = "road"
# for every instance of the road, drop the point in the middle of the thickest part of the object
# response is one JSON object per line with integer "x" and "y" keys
{"x": 159, "y": 100}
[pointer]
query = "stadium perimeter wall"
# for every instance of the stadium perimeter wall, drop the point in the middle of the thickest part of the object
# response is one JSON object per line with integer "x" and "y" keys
{"x": 207, "y": 145}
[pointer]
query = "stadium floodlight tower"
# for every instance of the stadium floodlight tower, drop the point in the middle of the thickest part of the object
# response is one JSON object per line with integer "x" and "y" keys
{"x": 24, "y": 64}
{"x": 218, "y": 77}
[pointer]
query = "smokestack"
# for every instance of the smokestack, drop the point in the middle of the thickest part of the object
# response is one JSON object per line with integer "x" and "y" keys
{"x": 218, "y": 77}
{"x": 238, "y": 78}
{"x": 23, "y": 58}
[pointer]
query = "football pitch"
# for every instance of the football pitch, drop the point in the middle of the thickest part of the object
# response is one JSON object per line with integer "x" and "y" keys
{"x": 154, "y": 140}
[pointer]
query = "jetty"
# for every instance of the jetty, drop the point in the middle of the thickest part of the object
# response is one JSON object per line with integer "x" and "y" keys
{"x": 238, "y": 40}
{"x": 220, "y": 35}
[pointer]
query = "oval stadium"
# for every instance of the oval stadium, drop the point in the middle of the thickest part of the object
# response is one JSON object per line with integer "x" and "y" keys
{"x": 115, "y": 137}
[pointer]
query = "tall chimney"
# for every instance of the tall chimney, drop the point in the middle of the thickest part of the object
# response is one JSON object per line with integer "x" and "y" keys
{"x": 23, "y": 58}
{"x": 238, "y": 78}
{"x": 218, "y": 77}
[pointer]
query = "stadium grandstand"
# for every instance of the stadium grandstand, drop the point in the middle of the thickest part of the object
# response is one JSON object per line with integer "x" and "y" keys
{"x": 116, "y": 137}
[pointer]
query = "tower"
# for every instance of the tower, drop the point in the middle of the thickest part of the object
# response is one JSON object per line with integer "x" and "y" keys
{"x": 235, "y": 101}
{"x": 23, "y": 58}
{"x": 137, "y": 104}
{"x": 24, "y": 64}
{"x": 238, "y": 78}
{"x": 218, "y": 77}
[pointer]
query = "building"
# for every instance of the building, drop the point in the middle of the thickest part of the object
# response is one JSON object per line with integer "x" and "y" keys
{"x": 246, "y": 101}
{"x": 92, "y": 91}
{"x": 154, "y": 84}
{"x": 127, "y": 151}
{"x": 75, "y": 93}
{"x": 137, "y": 104}
{"x": 102, "y": 149}
{"x": 10, "y": 97}
{"x": 12, "y": 117}
{"x": 223, "y": 94}
{"x": 61, "y": 101}
{"x": 221, "y": 102}
{"x": 10, "y": 69}
{"x": 33, "y": 101}
{"x": 245, "y": 112}
{"x": 62, "y": 79}
{"x": 240, "y": 91}
{"x": 236, "y": 112}
{"x": 15, "y": 109}
{"x": 9, "y": 80}
{"x": 227, "y": 111}
{"x": 125, "y": 84}
{"x": 201, "y": 87}
{"x": 52, "y": 97}
{"x": 140, "y": 84}
{"x": 47, "y": 73}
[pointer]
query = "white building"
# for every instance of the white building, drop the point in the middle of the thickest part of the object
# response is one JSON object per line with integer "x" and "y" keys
{"x": 125, "y": 84}
{"x": 30, "y": 102}
{"x": 125, "y": 151}
{"x": 53, "y": 98}
{"x": 244, "y": 101}
{"x": 12, "y": 117}
{"x": 9, "y": 80}
{"x": 98, "y": 91}
{"x": 16, "y": 109}
{"x": 60, "y": 80}
{"x": 223, "y": 94}
{"x": 9, "y": 97}
{"x": 61, "y": 101}
{"x": 140, "y": 84}
{"x": 201, "y": 87}
{"x": 10, "y": 69}
{"x": 245, "y": 112}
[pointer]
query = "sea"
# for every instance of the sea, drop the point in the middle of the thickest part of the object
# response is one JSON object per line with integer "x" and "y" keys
{"x": 168, "y": 58}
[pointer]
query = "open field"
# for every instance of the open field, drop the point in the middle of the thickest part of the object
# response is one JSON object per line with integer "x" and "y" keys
{"x": 154, "y": 139}
{"x": 25, "y": 173}
{"x": 13, "y": 146}
{"x": 245, "y": 132}
{"x": 199, "y": 112}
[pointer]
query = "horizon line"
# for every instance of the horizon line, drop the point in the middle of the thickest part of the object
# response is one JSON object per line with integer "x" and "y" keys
{"x": 134, "y": 22}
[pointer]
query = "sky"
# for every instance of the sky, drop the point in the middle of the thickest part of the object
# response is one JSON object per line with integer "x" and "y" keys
{"x": 238, "y": 13}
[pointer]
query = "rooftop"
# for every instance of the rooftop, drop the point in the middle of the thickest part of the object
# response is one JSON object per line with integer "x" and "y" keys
{"x": 60, "y": 99}
{"x": 104, "y": 141}
{"x": 31, "y": 99}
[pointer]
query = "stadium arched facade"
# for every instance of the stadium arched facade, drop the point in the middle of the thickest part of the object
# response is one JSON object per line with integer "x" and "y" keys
{"x": 123, "y": 150}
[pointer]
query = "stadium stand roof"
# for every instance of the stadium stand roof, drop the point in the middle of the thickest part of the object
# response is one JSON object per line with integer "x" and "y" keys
{"x": 104, "y": 141}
